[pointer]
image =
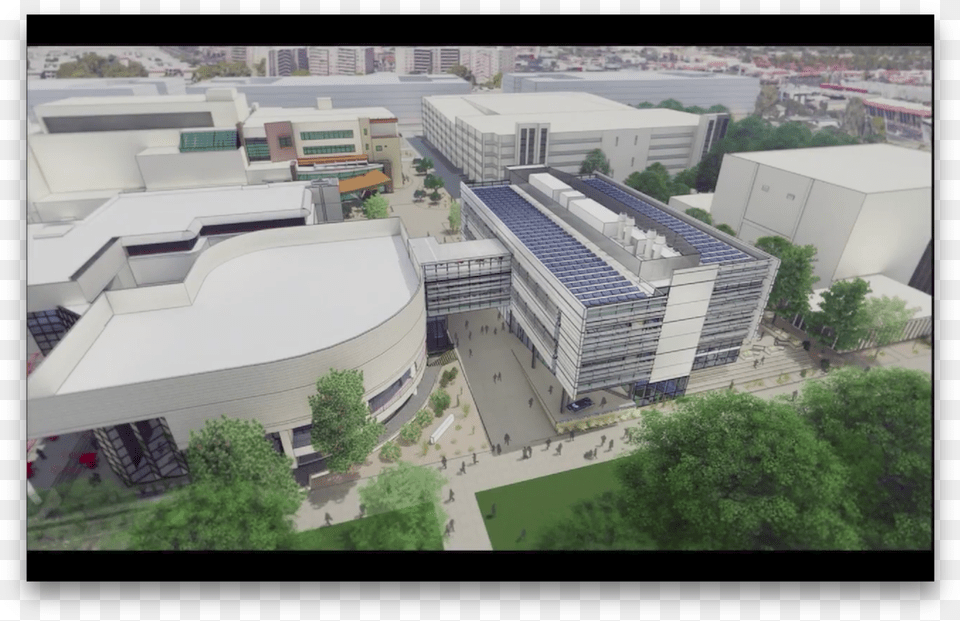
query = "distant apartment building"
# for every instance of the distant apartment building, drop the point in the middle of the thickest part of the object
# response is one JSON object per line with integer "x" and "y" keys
{"x": 321, "y": 61}
{"x": 486, "y": 133}
{"x": 482, "y": 62}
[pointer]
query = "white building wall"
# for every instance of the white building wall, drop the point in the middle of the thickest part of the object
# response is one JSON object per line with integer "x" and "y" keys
{"x": 777, "y": 199}
{"x": 889, "y": 237}
{"x": 96, "y": 160}
{"x": 828, "y": 219}
{"x": 167, "y": 171}
{"x": 733, "y": 191}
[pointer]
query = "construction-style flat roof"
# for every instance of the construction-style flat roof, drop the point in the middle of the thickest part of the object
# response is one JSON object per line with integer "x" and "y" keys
{"x": 428, "y": 250}
{"x": 372, "y": 79}
{"x": 865, "y": 168}
{"x": 625, "y": 76}
{"x": 565, "y": 111}
{"x": 57, "y": 251}
{"x": 260, "y": 307}
{"x": 306, "y": 115}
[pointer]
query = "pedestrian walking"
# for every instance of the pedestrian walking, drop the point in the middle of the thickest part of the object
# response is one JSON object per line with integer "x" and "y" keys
{"x": 443, "y": 462}
{"x": 471, "y": 353}
{"x": 731, "y": 385}
{"x": 523, "y": 535}
{"x": 610, "y": 448}
{"x": 550, "y": 390}
{"x": 762, "y": 360}
{"x": 506, "y": 439}
{"x": 499, "y": 450}
{"x": 755, "y": 363}
{"x": 470, "y": 336}
{"x": 603, "y": 440}
{"x": 794, "y": 395}
{"x": 328, "y": 519}
{"x": 41, "y": 454}
{"x": 626, "y": 432}
{"x": 452, "y": 529}
{"x": 463, "y": 467}
{"x": 559, "y": 447}
{"x": 474, "y": 459}
{"x": 363, "y": 510}
{"x": 446, "y": 530}
{"x": 571, "y": 435}
{"x": 493, "y": 510}
{"x": 494, "y": 331}
{"x": 451, "y": 496}
{"x": 466, "y": 324}
{"x": 603, "y": 402}
{"x": 548, "y": 444}
{"x": 530, "y": 403}
{"x": 500, "y": 375}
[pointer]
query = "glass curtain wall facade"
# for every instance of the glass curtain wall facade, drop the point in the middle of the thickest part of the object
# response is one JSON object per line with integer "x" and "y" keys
{"x": 49, "y": 327}
{"x": 142, "y": 453}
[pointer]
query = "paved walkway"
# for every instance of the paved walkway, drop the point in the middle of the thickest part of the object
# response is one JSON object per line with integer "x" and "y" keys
{"x": 442, "y": 166}
{"x": 343, "y": 501}
{"x": 504, "y": 406}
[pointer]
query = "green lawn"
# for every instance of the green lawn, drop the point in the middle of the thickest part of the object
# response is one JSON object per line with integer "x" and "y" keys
{"x": 536, "y": 504}
{"x": 337, "y": 536}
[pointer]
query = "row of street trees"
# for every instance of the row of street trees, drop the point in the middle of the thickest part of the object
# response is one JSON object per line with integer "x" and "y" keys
{"x": 91, "y": 65}
{"x": 845, "y": 467}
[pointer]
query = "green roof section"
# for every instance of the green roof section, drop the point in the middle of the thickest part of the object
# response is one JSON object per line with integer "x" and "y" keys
{"x": 208, "y": 141}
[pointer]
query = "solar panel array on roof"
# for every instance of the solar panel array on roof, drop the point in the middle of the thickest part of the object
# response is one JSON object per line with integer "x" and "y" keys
{"x": 582, "y": 272}
{"x": 711, "y": 249}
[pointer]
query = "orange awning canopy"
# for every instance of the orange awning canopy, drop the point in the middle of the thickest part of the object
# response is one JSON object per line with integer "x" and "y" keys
{"x": 372, "y": 179}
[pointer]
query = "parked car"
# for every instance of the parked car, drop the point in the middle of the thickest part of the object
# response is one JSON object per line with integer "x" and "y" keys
{"x": 580, "y": 404}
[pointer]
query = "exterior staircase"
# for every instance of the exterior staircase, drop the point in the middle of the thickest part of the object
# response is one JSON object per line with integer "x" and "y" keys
{"x": 779, "y": 367}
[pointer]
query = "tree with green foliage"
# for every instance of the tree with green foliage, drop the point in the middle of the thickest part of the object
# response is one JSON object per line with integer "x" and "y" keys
{"x": 433, "y": 182}
{"x": 300, "y": 72}
{"x": 376, "y": 207}
{"x": 843, "y": 311}
{"x": 831, "y": 137}
{"x": 791, "y": 290}
{"x": 423, "y": 418}
{"x": 343, "y": 429}
{"x": 435, "y": 197}
{"x": 411, "y": 432}
{"x": 463, "y": 72}
{"x": 767, "y": 100}
{"x": 424, "y": 165}
{"x": 596, "y": 161}
{"x": 419, "y": 195}
{"x": 886, "y": 319}
{"x": 656, "y": 183}
{"x": 792, "y": 135}
{"x": 91, "y": 65}
{"x": 671, "y": 104}
{"x": 731, "y": 471}
{"x": 440, "y": 401}
{"x": 222, "y": 69}
{"x": 497, "y": 80}
{"x": 726, "y": 228}
{"x": 213, "y": 515}
{"x": 879, "y": 424}
{"x": 454, "y": 216}
{"x": 229, "y": 449}
{"x": 390, "y": 451}
{"x": 597, "y": 524}
{"x": 261, "y": 67}
{"x": 700, "y": 214}
{"x": 411, "y": 496}
{"x": 687, "y": 177}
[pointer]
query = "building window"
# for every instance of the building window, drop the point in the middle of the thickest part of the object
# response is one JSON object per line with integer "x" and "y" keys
{"x": 379, "y": 148}
{"x": 327, "y": 135}
{"x": 364, "y": 132}
{"x": 208, "y": 141}
{"x": 333, "y": 148}
{"x": 285, "y": 142}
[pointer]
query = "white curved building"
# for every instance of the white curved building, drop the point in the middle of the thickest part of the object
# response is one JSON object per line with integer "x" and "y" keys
{"x": 258, "y": 319}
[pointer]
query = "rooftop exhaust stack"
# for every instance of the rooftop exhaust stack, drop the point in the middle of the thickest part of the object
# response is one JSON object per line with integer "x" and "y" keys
{"x": 648, "y": 245}
{"x": 621, "y": 224}
{"x": 627, "y": 232}
{"x": 658, "y": 245}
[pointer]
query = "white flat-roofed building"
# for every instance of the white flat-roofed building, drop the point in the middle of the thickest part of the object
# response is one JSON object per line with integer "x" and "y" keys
{"x": 46, "y": 91}
{"x": 401, "y": 94}
{"x": 920, "y": 323}
{"x": 691, "y": 88}
{"x": 865, "y": 207}
{"x": 484, "y": 134}
{"x": 252, "y": 326}
{"x": 683, "y": 202}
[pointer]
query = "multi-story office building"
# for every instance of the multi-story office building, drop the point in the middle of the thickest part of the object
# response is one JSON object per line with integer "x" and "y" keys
{"x": 611, "y": 289}
{"x": 691, "y": 88}
{"x": 176, "y": 142}
{"x": 284, "y": 61}
{"x": 875, "y": 197}
{"x": 424, "y": 60}
{"x": 485, "y": 134}
{"x": 401, "y": 94}
{"x": 354, "y": 60}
